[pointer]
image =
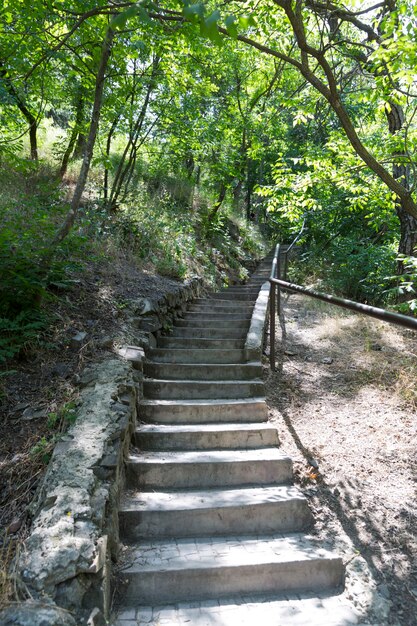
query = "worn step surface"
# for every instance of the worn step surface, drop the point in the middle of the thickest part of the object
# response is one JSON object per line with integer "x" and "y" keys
{"x": 186, "y": 569}
{"x": 207, "y": 468}
{"x": 237, "y": 323}
{"x": 238, "y": 332}
{"x": 203, "y": 371}
{"x": 196, "y": 355}
{"x": 204, "y": 513}
{"x": 218, "y": 304}
{"x": 319, "y": 609}
{"x": 193, "y": 342}
{"x": 202, "y": 389}
{"x": 205, "y": 436}
{"x": 223, "y": 296}
{"x": 203, "y": 411}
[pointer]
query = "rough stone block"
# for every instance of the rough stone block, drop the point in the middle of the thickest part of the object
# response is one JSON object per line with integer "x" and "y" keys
{"x": 36, "y": 614}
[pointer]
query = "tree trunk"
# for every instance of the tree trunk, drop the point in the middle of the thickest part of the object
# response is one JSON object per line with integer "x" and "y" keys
{"x": 27, "y": 114}
{"x": 401, "y": 172}
{"x": 249, "y": 188}
{"x": 125, "y": 168}
{"x": 95, "y": 118}
{"x": 80, "y": 146}
{"x": 74, "y": 133}
{"x": 408, "y": 235}
{"x": 108, "y": 148}
{"x": 236, "y": 193}
{"x": 218, "y": 203}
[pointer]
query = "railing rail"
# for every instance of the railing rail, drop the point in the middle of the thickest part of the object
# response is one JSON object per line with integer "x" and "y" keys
{"x": 276, "y": 284}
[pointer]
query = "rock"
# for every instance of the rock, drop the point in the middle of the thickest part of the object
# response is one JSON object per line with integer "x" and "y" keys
{"x": 143, "y": 306}
{"x": 78, "y": 340}
{"x": 313, "y": 462}
{"x": 14, "y": 526}
{"x": 133, "y": 354}
{"x": 35, "y": 614}
{"x": 327, "y": 360}
{"x": 30, "y": 414}
{"x": 150, "y": 323}
{"x": 20, "y": 407}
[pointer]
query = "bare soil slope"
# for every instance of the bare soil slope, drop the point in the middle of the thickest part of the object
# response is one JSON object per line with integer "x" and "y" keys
{"x": 344, "y": 400}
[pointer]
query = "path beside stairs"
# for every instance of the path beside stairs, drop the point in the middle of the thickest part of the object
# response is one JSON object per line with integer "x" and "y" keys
{"x": 216, "y": 533}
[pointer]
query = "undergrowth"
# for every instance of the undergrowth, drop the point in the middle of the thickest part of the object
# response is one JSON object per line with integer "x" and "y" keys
{"x": 164, "y": 225}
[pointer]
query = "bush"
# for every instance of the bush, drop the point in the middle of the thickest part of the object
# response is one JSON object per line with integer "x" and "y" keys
{"x": 350, "y": 268}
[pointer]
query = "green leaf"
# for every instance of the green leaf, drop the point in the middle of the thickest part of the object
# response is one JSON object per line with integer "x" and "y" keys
{"x": 247, "y": 21}
{"x": 209, "y": 29}
{"x": 231, "y": 26}
{"x": 119, "y": 22}
{"x": 194, "y": 12}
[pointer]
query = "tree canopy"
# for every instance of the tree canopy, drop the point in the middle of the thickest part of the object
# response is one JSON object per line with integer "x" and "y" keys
{"x": 281, "y": 108}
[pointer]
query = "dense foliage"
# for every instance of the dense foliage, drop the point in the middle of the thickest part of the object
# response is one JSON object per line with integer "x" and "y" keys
{"x": 151, "y": 122}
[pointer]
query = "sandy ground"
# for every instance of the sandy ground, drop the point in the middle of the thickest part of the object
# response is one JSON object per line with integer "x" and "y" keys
{"x": 344, "y": 397}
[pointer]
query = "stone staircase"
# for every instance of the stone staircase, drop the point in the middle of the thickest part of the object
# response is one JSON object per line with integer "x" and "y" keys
{"x": 213, "y": 527}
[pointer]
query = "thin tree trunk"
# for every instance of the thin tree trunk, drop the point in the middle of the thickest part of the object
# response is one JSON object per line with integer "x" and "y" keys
{"x": 124, "y": 168}
{"x": 401, "y": 172}
{"x": 80, "y": 146}
{"x": 27, "y": 114}
{"x": 74, "y": 133}
{"x": 218, "y": 203}
{"x": 95, "y": 118}
{"x": 108, "y": 148}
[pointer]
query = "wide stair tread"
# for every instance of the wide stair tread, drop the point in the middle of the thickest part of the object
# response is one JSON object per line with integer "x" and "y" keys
{"x": 204, "y": 371}
{"x": 213, "y": 512}
{"x": 186, "y": 569}
{"x": 207, "y": 468}
{"x": 196, "y": 355}
{"x": 205, "y": 436}
{"x": 204, "y": 411}
{"x": 264, "y": 610}
{"x": 204, "y": 389}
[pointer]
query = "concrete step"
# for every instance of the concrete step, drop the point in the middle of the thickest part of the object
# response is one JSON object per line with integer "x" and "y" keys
{"x": 213, "y": 512}
{"x": 166, "y": 355}
{"x": 211, "y": 468}
{"x": 193, "y": 371}
{"x": 201, "y": 389}
{"x": 191, "y": 569}
{"x": 203, "y": 411}
{"x": 205, "y": 436}
{"x": 216, "y": 317}
{"x": 196, "y": 342}
{"x": 245, "y": 289}
{"x": 216, "y": 305}
{"x": 235, "y": 308}
{"x": 208, "y": 323}
{"x": 239, "y": 296}
{"x": 312, "y": 609}
{"x": 210, "y": 333}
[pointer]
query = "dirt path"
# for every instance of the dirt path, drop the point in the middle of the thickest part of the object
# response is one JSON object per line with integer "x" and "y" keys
{"x": 344, "y": 400}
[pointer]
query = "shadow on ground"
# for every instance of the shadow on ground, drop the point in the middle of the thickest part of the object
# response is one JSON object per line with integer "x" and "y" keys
{"x": 381, "y": 531}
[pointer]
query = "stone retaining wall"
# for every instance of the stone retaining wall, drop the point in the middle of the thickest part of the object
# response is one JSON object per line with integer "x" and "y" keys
{"x": 64, "y": 568}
